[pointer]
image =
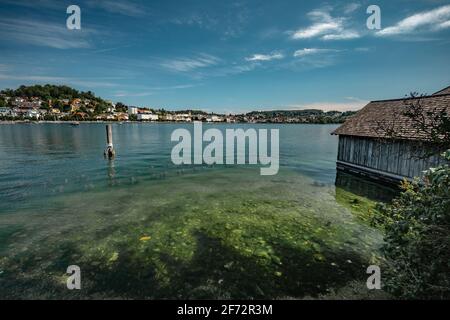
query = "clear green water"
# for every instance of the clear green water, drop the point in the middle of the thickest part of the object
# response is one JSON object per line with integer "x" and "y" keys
{"x": 140, "y": 227}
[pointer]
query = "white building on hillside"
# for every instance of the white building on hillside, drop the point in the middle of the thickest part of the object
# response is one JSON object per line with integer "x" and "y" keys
{"x": 7, "y": 112}
{"x": 132, "y": 110}
{"x": 32, "y": 114}
{"x": 147, "y": 117}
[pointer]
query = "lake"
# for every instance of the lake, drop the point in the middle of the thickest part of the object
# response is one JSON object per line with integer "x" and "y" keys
{"x": 140, "y": 227}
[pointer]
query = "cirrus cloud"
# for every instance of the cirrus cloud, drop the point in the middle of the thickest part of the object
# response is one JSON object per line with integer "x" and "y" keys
{"x": 127, "y": 8}
{"x": 44, "y": 33}
{"x": 325, "y": 27}
{"x": 311, "y": 51}
{"x": 265, "y": 57}
{"x": 190, "y": 64}
{"x": 433, "y": 20}
{"x": 343, "y": 35}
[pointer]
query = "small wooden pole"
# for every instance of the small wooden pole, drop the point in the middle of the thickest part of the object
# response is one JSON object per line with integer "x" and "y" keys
{"x": 109, "y": 152}
{"x": 109, "y": 135}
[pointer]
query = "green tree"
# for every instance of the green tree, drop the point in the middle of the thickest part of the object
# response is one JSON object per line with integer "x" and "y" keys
{"x": 58, "y": 105}
{"x": 8, "y": 92}
{"x": 45, "y": 106}
{"x": 51, "y": 92}
{"x": 120, "y": 107}
{"x": 431, "y": 123}
{"x": 101, "y": 107}
{"x": 417, "y": 236}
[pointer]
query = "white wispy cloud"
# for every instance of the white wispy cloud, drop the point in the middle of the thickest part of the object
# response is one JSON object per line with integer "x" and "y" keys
{"x": 433, "y": 20}
{"x": 444, "y": 25}
{"x": 312, "y": 51}
{"x": 351, "y": 7}
{"x": 343, "y": 35}
{"x": 190, "y": 64}
{"x": 317, "y": 29}
{"x": 40, "y": 33}
{"x": 326, "y": 27}
{"x": 265, "y": 57}
{"x": 127, "y": 8}
{"x": 43, "y": 4}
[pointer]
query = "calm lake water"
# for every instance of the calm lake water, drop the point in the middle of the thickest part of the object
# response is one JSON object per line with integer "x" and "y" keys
{"x": 140, "y": 227}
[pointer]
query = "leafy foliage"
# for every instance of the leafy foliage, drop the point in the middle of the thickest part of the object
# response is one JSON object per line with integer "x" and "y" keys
{"x": 312, "y": 115}
{"x": 430, "y": 123}
{"x": 121, "y": 107}
{"x": 48, "y": 92}
{"x": 434, "y": 124}
{"x": 417, "y": 248}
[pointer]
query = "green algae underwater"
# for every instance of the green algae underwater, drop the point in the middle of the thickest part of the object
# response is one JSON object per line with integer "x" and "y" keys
{"x": 216, "y": 234}
{"x": 141, "y": 228}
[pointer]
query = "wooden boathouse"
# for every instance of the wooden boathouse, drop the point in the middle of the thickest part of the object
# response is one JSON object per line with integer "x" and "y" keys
{"x": 366, "y": 150}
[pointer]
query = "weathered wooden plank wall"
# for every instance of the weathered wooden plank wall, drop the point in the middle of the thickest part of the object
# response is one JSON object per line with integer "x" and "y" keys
{"x": 394, "y": 157}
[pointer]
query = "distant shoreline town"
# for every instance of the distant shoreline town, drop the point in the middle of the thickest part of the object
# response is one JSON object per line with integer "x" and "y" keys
{"x": 52, "y": 103}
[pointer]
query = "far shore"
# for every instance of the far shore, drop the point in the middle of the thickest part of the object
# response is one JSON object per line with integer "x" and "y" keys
{"x": 4, "y": 122}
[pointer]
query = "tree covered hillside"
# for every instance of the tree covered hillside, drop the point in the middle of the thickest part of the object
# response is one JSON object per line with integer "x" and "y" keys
{"x": 50, "y": 92}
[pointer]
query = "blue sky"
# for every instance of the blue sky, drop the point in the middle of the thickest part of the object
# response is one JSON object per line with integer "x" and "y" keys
{"x": 229, "y": 56}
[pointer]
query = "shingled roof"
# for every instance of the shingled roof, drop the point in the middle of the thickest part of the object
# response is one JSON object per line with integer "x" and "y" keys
{"x": 379, "y": 117}
{"x": 443, "y": 91}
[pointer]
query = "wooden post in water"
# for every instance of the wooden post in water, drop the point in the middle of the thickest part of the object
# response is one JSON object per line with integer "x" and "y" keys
{"x": 109, "y": 152}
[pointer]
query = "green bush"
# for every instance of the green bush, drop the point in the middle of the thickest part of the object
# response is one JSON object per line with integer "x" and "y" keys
{"x": 417, "y": 236}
